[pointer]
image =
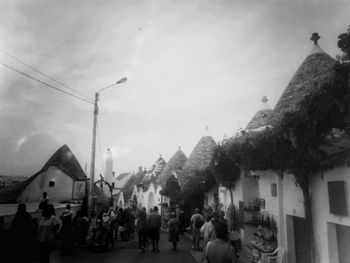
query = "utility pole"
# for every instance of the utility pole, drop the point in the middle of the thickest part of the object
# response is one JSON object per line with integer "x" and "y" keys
{"x": 93, "y": 150}
{"x": 93, "y": 147}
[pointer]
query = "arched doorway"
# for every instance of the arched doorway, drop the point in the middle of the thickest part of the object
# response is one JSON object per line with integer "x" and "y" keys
{"x": 120, "y": 204}
{"x": 150, "y": 201}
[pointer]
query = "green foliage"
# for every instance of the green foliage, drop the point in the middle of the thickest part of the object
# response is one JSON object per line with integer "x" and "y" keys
{"x": 294, "y": 145}
{"x": 226, "y": 169}
{"x": 344, "y": 42}
{"x": 172, "y": 188}
{"x": 199, "y": 182}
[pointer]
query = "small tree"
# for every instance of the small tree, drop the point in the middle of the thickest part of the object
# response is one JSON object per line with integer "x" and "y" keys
{"x": 172, "y": 188}
{"x": 226, "y": 169}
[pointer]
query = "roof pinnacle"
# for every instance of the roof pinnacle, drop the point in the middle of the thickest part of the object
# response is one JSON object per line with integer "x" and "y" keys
{"x": 315, "y": 37}
{"x": 264, "y": 99}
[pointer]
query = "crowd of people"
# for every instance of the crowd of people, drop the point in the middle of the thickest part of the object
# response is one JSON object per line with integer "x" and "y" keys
{"x": 221, "y": 243}
{"x": 29, "y": 239}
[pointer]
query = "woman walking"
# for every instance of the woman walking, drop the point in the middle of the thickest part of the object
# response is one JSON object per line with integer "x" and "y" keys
{"x": 174, "y": 230}
{"x": 47, "y": 230}
{"x": 219, "y": 250}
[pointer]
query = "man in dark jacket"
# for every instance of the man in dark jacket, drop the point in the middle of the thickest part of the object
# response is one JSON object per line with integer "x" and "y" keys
{"x": 154, "y": 225}
{"x": 23, "y": 235}
{"x": 141, "y": 227}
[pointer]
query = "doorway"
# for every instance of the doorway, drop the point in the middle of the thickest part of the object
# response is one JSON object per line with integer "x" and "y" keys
{"x": 343, "y": 240}
{"x": 301, "y": 241}
{"x": 150, "y": 201}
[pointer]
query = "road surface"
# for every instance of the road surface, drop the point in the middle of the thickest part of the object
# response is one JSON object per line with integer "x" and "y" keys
{"x": 126, "y": 252}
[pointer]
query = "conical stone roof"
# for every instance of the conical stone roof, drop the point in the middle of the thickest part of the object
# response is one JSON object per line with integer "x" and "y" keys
{"x": 63, "y": 159}
{"x": 199, "y": 158}
{"x": 153, "y": 173}
{"x": 316, "y": 70}
{"x": 175, "y": 164}
{"x": 261, "y": 119}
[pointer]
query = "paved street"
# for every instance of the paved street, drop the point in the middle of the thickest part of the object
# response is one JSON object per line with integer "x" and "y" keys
{"x": 127, "y": 252}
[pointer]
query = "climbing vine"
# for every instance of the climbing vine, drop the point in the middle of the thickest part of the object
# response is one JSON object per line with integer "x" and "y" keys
{"x": 296, "y": 144}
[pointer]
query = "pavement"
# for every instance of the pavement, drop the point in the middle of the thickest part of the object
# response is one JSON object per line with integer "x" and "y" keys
{"x": 126, "y": 252}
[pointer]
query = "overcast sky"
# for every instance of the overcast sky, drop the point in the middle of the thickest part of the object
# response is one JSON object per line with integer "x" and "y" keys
{"x": 189, "y": 63}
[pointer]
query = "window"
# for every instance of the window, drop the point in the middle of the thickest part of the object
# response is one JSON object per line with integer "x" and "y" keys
{"x": 51, "y": 184}
{"x": 337, "y": 199}
{"x": 274, "y": 189}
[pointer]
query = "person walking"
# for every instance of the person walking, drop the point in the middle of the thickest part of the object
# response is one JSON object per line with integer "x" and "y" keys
{"x": 235, "y": 240}
{"x": 122, "y": 224}
{"x": 66, "y": 230}
{"x": 154, "y": 225}
{"x": 174, "y": 230}
{"x": 182, "y": 221}
{"x": 5, "y": 241}
{"x": 141, "y": 228}
{"x": 44, "y": 201}
{"x": 113, "y": 223}
{"x": 197, "y": 221}
{"x": 93, "y": 227}
{"x": 207, "y": 230}
{"x": 219, "y": 250}
{"x": 47, "y": 229}
{"x": 23, "y": 235}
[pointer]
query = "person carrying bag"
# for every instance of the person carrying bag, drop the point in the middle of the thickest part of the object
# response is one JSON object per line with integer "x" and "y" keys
{"x": 219, "y": 250}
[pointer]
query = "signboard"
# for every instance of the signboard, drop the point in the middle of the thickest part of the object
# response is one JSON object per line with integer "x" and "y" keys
{"x": 78, "y": 189}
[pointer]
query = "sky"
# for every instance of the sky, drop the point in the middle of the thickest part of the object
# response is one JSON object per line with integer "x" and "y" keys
{"x": 190, "y": 64}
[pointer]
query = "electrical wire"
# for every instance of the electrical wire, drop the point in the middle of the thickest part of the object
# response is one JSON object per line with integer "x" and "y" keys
{"x": 46, "y": 84}
{"x": 42, "y": 73}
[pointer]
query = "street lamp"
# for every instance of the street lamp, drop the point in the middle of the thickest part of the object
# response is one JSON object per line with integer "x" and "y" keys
{"x": 93, "y": 148}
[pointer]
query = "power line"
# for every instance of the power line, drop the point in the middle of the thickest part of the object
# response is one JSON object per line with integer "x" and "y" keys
{"x": 42, "y": 73}
{"x": 46, "y": 84}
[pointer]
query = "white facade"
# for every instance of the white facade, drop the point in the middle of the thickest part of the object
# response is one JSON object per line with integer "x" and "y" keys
{"x": 332, "y": 232}
{"x": 57, "y": 184}
{"x": 120, "y": 202}
{"x": 149, "y": 198}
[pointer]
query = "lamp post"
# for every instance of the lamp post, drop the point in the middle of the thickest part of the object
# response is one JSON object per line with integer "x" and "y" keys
{"x": 93, "y": 147}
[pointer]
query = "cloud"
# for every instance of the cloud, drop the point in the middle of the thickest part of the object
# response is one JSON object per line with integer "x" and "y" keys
{"x": 190, "y": 63}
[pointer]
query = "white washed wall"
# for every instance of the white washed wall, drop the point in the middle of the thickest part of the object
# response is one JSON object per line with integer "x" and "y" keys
{"x": 62, "y": 191}
{"x": 324, "y": 227}
{"x": 271, "y": 202}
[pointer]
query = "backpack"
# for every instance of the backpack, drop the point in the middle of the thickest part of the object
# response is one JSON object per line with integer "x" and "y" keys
{"x": 198, "y": 222}
{"x": 173, "y": 226}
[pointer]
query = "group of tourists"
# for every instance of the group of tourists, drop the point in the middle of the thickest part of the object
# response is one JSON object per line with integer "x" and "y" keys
{"x": 29, "y": 239}
{"x": 148, "y": 228}
{"x": 221, "y": 243}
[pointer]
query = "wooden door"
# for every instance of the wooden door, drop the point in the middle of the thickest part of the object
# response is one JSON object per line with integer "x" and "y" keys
{"x": 302, "y": 241}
